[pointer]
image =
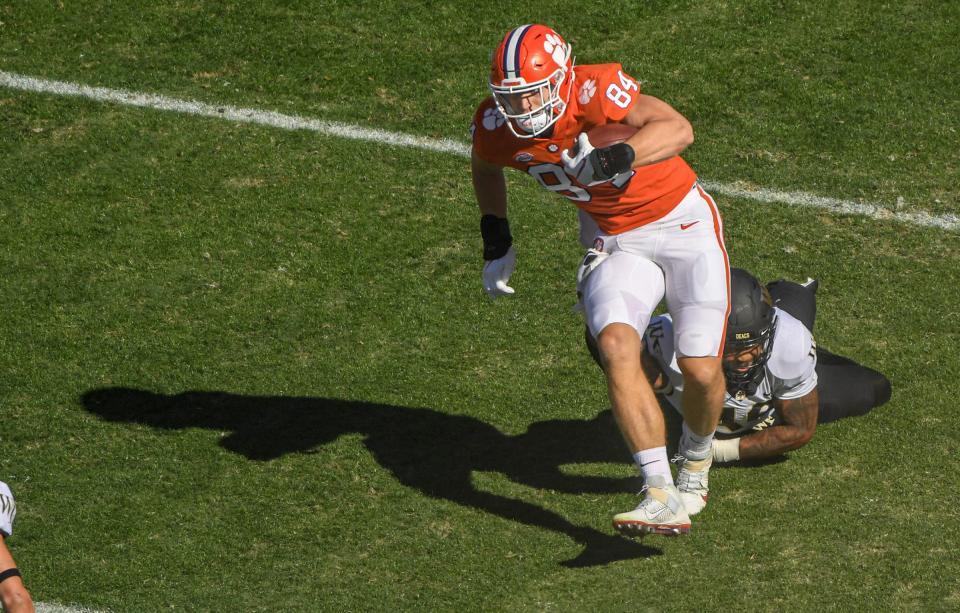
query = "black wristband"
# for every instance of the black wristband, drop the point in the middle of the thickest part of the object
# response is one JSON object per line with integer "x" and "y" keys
{"x": 496, "y": 236}
{"x": 10, "y": 572}
{"x": 610, "y": 161}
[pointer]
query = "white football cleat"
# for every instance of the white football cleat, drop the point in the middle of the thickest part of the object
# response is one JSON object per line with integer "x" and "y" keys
{"x": 660, "y": 512}
{"x": 693, "y": 479}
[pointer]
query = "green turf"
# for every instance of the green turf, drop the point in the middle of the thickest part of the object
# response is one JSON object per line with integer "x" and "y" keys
{"x": 248, "y": 369}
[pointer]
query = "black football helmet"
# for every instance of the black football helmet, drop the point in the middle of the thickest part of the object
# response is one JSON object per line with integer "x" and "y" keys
{"x": 752, "y": 323}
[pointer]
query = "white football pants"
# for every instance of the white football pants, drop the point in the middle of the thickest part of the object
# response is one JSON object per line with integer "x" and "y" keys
{"x": 681, "y": 257}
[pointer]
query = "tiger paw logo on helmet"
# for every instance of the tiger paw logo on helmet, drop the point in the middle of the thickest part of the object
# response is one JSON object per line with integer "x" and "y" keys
{"x": 588, "y": 90}
{"x": 553, "y": 45}
{"x": 492, "y": 118}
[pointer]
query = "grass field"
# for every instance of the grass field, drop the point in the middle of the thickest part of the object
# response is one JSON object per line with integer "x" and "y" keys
{"x": 243, "y": 368}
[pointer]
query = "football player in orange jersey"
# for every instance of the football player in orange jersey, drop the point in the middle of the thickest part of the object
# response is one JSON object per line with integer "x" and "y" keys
{"x": 659, "y": 235}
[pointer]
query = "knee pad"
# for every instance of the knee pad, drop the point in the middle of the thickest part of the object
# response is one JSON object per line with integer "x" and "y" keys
{"x": 699, "y": 331}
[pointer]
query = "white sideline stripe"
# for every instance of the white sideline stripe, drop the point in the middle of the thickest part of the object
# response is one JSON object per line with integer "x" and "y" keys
{"x": 343, "y": 130}
{"x": 833, "y": 205}
{"x": 230, "y": 113}
{"x": 52, "y": 607}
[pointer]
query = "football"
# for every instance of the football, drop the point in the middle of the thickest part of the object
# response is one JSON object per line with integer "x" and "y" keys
{"x": 610, "y": 134}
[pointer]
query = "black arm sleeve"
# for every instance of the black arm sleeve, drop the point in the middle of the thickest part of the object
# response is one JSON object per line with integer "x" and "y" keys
{"x": 496, "y": 236}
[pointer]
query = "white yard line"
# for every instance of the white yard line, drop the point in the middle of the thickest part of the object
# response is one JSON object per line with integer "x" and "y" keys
{"x": 52, "y": 607}
{"x": 343, "y": 130}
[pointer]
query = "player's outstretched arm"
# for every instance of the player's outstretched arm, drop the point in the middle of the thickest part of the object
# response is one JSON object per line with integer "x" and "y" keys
{"x": 662, "y": 132}
{"x": 499, "y": 256}
{"x": 799, "y": 417}
{"x": 13, "y": 594}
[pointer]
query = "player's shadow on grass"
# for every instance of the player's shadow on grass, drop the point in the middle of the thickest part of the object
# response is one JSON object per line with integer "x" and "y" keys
{"x": 430, "y": 451}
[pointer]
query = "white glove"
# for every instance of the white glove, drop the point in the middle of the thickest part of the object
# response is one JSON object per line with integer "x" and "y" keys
{"x": 726, "y": 450}
{"x": 496, "y": 274}
{"x": 591, "y": 260}
{"x": 8, "y": 509}
{"x": 579, "y": 166}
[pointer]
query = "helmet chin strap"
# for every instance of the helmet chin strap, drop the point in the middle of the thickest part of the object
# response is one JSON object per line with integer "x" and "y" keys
{"x": 736, "y": 388}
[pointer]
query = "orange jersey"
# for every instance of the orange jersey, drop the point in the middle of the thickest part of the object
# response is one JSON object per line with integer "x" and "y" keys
{"x": 602, "y": 93}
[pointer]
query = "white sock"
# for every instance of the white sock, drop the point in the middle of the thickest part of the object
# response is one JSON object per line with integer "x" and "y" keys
{"x": 693, "y": 446}
{"x": 653, "y": 462}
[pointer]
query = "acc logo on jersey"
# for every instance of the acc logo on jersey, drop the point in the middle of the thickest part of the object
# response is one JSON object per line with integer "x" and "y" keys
{"x": 492, "y": 118}
{"x": 588, "y": 90}
{"x": 554, "y": 46}
{"x": 524, "y": 157}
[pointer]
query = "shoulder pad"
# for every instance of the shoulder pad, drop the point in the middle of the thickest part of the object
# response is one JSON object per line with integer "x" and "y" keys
{"x": 793, "y": 350}
{"x": 600, "y": 92}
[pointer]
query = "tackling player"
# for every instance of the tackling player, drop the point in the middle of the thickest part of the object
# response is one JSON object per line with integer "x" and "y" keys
{"x": 780, "y": 385}
{"x": 660, "y": 236}
{"x": 13, "y": 594}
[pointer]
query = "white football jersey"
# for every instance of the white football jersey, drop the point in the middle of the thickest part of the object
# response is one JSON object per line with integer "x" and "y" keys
{"x": 789, "y": 373}
{"x": 8, "y": 509}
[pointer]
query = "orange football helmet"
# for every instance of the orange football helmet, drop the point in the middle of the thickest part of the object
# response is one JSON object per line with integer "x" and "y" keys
{"x": 531, "y": 77}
